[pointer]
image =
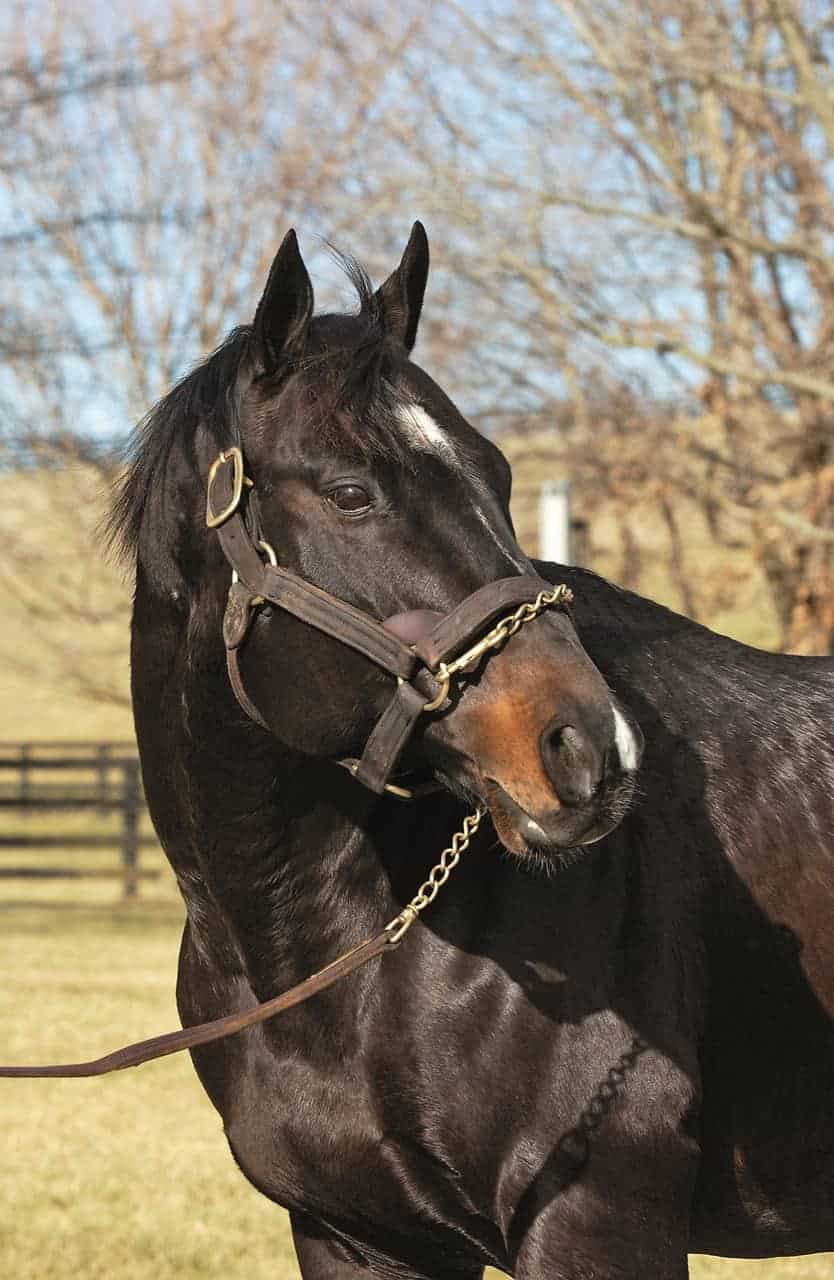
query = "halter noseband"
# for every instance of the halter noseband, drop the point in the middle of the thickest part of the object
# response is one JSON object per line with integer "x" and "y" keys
{"x": 420, "y": 645}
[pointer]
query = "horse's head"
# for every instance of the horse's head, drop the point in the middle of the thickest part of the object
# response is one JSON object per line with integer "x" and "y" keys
{"x": 372, "y": 486}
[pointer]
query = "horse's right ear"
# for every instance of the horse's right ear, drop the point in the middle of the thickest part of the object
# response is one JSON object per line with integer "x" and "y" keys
{"x": 400, "y": 299}
{"x": 283, "y": 315}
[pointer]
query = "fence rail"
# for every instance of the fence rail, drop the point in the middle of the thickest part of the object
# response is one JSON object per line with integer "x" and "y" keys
{"x": 102, "y": 777}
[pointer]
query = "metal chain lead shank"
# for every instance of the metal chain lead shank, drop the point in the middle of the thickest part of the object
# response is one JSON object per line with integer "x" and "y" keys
{"x": 437, "y": 877}
{"x": 450, "y": 857}
{"x": 388, "y": 939}
{"x": 494, "y": 639}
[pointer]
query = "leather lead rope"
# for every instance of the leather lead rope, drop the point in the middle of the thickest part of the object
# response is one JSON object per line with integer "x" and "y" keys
{"x": 133, "y": 1055}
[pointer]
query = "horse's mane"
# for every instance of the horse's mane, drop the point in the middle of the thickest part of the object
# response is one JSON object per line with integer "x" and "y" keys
{"x": 203, "y": 396}
{"x": 351, "y": 402}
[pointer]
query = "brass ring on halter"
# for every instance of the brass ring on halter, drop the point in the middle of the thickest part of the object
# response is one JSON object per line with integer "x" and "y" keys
{"x": 444, "y": 679}
{"x": 239, "y": 479}
{"x": 269, "y": 552}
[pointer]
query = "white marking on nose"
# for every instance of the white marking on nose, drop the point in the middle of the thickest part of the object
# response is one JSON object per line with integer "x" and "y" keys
{"x": 423, "y": 431}
{"x": 625, "y": 741}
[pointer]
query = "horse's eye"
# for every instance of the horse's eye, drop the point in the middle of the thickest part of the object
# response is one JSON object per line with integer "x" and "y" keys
{"x": 350, "y": 497}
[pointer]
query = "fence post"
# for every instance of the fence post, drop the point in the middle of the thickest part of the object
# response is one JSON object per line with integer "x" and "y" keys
{"x": 24, "y": 772}
{"x": 130, "y": 827}
{"x": 103, "y": 755}
{"x": 555, "y": 522}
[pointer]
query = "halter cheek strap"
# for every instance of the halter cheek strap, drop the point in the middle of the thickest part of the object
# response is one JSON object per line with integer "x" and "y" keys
{"x": 437, "y": 646}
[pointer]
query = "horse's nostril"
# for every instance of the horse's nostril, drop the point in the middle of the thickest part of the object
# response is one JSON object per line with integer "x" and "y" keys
{"x": 572, "y": 764}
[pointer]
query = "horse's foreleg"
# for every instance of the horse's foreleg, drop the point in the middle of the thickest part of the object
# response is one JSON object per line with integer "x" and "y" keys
{"x": 556, "y": 1255}
{"x": 322, "y": 1256}
{"x": 588, "y": 1232}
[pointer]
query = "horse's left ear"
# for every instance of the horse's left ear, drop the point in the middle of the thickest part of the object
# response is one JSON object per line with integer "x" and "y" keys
{"x": 400, "y": 299}
{"x": 284, "y": 311}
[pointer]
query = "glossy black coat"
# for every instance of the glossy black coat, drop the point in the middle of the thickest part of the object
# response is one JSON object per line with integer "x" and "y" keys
{"x": 451, "y": 1107}
{"x": 579, "y": 1064}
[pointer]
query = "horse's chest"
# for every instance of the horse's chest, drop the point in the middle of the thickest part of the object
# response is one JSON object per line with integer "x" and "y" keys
{"x": 324, "y": 1141}
{"x": 447, "y": 1155}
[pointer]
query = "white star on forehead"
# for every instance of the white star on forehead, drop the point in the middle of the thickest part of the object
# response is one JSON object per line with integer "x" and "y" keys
{"x": 423, "y": 432}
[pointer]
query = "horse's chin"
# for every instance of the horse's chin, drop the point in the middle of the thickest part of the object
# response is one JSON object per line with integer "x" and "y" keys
{"x": 562, "y": 830}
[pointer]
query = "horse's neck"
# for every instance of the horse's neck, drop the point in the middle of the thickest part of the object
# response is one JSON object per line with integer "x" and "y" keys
{"x": 282, "y": 848}
{"x": 300, "y": 862}
{"x": 270, "y": 851}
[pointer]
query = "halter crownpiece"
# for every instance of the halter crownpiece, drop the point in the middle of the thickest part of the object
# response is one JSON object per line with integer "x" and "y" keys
{"x": 419, "y": 646}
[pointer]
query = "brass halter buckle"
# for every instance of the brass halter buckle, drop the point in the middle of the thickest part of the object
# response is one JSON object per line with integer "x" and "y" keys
{"x": 239, "y": 479}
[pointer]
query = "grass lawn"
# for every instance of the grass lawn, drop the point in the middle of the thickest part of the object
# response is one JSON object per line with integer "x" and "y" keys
{"x": 130, "y": 1176}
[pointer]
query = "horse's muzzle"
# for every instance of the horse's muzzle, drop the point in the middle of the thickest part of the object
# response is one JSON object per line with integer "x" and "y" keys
{"x": 543, "y": 743}
{"x": 592, "y": 791}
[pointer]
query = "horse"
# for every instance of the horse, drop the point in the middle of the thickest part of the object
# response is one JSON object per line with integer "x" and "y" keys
{"x": 608, "y": 1041}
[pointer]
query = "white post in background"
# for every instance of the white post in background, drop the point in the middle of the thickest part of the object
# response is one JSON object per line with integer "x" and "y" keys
{"x": 554, "y": 522}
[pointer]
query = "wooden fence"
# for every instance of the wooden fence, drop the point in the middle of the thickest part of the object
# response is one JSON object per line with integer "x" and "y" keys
{"x": 100, "y": 778}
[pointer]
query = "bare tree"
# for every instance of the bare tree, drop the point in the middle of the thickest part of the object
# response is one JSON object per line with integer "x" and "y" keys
{"x": 631, "y": 208}
{"x": 654, "y": 195}
{"x": 145, "y": 181}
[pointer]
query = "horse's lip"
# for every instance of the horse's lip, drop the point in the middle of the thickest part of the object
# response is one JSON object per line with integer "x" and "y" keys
{"x": 498, "y": 798}
{"x": 597, "y": 836}
{"x": 520, "y": 832}
{"x": 517, "y": 829}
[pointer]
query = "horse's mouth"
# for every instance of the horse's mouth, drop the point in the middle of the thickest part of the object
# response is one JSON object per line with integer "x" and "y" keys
{"x": 563, "y": 828}
{"x": 532, "y": 818}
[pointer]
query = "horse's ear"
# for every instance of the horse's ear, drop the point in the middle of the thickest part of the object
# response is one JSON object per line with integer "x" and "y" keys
{"x": 284, "y": 311}
{"x": 400, "y": 299}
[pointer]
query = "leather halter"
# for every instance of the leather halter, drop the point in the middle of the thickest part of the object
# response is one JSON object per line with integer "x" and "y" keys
{"x": 411, "y": 646}
{"x": 401, "y": 646}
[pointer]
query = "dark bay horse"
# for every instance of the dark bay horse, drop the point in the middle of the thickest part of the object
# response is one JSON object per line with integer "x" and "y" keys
{"x": 609, "y": 1040}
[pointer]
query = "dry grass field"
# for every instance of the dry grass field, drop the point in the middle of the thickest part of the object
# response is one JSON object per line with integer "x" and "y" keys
{"x": 130, "y": 1176}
